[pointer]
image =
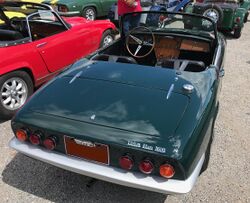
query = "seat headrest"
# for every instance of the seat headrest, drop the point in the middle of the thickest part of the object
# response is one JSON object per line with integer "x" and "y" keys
{"x": 10, "y": 35}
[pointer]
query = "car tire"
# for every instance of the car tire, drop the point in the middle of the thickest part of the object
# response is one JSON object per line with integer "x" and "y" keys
{"x": 246, "y": 17}
{"x": 213, "y": 8}
{"x": 15, "y": 88}
{"x": 107, "y": 39}
{"x": 89, "y": 13}
{"x": 237, "y": 32}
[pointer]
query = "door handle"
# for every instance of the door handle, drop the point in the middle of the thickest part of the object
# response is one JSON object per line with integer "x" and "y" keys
{"x": 41, "y": 44}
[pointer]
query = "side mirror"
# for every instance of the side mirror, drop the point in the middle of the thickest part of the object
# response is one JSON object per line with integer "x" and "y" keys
{"x": 221, "y": 72}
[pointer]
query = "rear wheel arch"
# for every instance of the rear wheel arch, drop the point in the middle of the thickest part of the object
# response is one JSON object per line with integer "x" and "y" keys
{"x": 246, "y": 17}
{"x": 29, "y": 72}
{"x": 15, "y": 88}
{"x": 90, "y": 6}
{"x": 107, "y": 33}
{"x": 26, "y": 69}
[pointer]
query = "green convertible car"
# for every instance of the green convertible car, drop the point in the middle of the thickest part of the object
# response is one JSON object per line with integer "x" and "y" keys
{"x": 89, "y": 9}
{"x": 139, "y": 112}
{"x": 230, "y": 15}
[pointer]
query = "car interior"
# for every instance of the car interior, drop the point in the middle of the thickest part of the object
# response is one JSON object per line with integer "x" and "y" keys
{"x": 42, "y": 24}
{"x": 184, "y": 53}
{"x": 17, "y": 29}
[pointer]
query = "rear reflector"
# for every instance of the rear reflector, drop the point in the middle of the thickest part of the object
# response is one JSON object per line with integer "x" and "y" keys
{"x": 237, "y": 20}
{"x": 50, "y": 143}
{"x": 21, "y": 135}
{"x": 35, "y": 138}
{"x": 167, "y": 171}
{"x": 146, "y": 167}
{"x": 126, "y": 162}
{"x": 63, "y": 8}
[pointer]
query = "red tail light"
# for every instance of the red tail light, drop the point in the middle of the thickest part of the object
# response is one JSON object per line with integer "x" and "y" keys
{"x": 35, "y": 138}
{"x": 22, "y": 135}
{"x": 162, "y": 18}
{"x": 146, "y": 167}
{"x": 237, "y": 20}
{"x": 50, "y": 143}
{"x": 167, "y": 171}
{"x": 126, "y": 162}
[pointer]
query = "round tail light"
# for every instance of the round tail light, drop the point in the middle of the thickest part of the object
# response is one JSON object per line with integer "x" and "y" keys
{"x": 126, "y": 162}
{"x": 22, "y": 135}
{"x": 237, "y": 20}
{"x": 50, "y": 143}
{"x": 35, "y": 138}
{"x": 167, "y": 171}
{"x": 162, "y": 17}
{"x": 63, "y": 8}
{"x": 146, "y": 167}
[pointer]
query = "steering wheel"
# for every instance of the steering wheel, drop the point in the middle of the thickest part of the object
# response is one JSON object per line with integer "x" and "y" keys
{"x": 140, "y": 42}
{"x": 17, "y": 24}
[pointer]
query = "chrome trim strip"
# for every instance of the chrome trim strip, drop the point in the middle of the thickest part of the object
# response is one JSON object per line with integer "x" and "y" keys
{"x": 170, "y": 91}
{"x": 41, "y": 44}
{"x": 68, "y": 13}
{"x": 217, "y": 56}
{"x": 54, "y": 73}
{"x": 77, "y": 75}
{"x": 50, "y": 75}
{"x": 109, "y": 173}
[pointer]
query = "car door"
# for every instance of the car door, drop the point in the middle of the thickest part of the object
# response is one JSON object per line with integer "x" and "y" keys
{"x": 106, "y": 5}
{"x": 56, "y": 42}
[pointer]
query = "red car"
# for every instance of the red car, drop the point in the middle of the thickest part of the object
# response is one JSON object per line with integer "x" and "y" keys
{"x": 36, "y": 44}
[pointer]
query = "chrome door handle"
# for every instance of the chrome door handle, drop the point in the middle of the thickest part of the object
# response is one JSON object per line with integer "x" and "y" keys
{"x": 41, "y": 45}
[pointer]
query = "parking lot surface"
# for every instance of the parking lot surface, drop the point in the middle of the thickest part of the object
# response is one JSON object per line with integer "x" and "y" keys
{"x": 226, "y": 179}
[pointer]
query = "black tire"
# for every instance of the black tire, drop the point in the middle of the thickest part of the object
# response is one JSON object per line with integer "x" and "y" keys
{"x": 237, "y": 32}
{"x": 89, "y": 13}
{"x": 246, "y": 17}
{"x": 27, "y": 84}
{"x": 215, "y": 7}
{"x": 107, "y": 38}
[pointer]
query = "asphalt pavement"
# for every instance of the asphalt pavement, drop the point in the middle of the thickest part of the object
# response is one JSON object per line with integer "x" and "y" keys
{"x": 227, "y": 178}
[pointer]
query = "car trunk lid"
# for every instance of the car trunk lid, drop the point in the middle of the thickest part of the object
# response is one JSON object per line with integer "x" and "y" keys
{"x": 116, "y": 105}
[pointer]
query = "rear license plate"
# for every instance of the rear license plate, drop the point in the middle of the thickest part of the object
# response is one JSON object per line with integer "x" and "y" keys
{"x": 87, "y": 150}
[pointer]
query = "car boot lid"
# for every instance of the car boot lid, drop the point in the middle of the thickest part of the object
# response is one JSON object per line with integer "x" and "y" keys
{"x": 143, "y": 111}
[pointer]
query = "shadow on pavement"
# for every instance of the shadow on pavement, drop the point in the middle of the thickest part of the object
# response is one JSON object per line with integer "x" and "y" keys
{"x": 58, "y": 185}
{"x": 229, "y": 36}
{"x": 2, "y": 121}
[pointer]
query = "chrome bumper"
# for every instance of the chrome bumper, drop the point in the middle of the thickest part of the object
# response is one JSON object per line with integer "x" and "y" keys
{"x": 108, "y": 173}
{"x": 69, "y": 14}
